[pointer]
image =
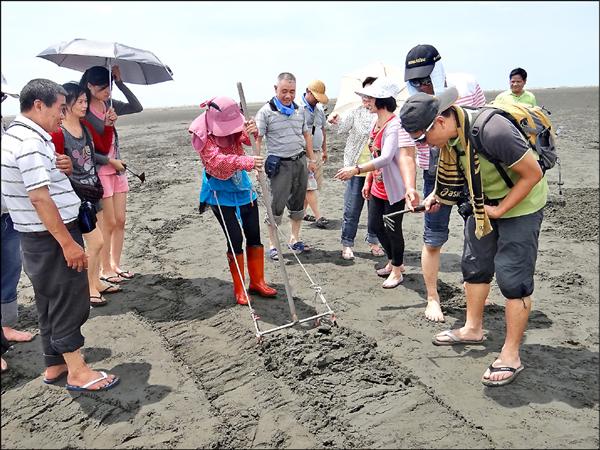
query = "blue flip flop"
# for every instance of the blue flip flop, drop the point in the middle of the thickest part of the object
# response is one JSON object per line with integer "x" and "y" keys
{"x": 85, "y": 387}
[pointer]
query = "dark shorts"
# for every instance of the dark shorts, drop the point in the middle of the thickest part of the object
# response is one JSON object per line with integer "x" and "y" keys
{"x": 61, "y": 293}
{"x": 509, "y": 251}
{"x": 288, "y": 189}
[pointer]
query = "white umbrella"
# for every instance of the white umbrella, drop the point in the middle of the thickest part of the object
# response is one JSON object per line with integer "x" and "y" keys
{"x": 137, "y": 66}
{"x": 347, "y": 100}
{"x": 7, "y": 89}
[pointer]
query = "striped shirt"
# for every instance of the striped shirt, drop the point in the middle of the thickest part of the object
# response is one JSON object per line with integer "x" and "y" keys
{"x": 28, "y": 163}
{"x": 284, "y": 134}
{"x": 469, "y": 94}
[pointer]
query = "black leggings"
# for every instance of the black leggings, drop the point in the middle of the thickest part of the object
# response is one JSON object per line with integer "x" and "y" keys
{"x": 391, "y": 241}
{"x": 249, "y": 215}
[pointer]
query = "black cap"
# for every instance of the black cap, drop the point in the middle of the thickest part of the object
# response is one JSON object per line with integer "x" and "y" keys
{"x": 420, "y": 61}
{"x": 420, "y": 110}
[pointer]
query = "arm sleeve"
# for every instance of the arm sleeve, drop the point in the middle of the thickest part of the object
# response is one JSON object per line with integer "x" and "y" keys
{"x": 58, "y": 139}
{"x": 404, "y": 139}
{"x": 390, "y": 146}
{"x": 347, "y": 123}
{"x": 223, "y": 166}
{"x": 478, "y": 96}
{"x": 133, "y": 105}
{"x": 245, "y": 139}
{"x": 503, "y": 142}
{"x": 261, "y": 122}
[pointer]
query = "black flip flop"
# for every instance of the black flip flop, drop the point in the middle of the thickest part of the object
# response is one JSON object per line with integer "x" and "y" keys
{"x": 111, "y": 290}
{"x": 102, "y": 301}
{"x": 505, "y": 381}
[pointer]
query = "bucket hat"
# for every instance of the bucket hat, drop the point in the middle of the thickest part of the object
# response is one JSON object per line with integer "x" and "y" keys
{"x": 222, "y": 117}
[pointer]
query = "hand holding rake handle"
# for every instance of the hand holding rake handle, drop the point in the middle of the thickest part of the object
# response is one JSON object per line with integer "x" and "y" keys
{"x": 388, "y": 220}
{"x": 141, "y": 176}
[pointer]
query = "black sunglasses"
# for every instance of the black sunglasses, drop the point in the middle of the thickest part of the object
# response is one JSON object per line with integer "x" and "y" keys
{"x": 418, "y": 82}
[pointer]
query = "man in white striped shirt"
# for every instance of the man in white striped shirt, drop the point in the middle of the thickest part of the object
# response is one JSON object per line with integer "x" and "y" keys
{"x": 44, "y": 209}
{"x": 424, "y": 72}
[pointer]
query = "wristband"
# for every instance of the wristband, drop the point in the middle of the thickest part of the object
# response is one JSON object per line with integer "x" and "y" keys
{"x": 357, "y": 167}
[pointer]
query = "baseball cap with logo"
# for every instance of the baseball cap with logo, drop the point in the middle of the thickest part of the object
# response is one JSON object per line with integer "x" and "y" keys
{"x": 420, "y": 61}
{"x": 420, "y": 110}
{"x": 317, "y": 88}
{"x": 382, "y": 87}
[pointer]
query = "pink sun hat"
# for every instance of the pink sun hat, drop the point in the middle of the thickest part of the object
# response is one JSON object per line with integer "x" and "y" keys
{"x": 222, "y": 117}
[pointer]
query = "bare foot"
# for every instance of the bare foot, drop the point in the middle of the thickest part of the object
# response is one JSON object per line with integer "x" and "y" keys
{"x": 55, "y": 371}
{"x": 4, "y": 365}
{"x": 433, "y": 312}
{"x": 16, "y": 336}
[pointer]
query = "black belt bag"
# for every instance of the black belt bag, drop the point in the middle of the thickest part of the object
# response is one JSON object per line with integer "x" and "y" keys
{"x": 272, "y": 164}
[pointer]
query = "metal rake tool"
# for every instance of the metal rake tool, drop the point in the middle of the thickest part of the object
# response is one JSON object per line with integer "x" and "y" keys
{"x": 388, "y": 219}
{"x": 141, "y": 176}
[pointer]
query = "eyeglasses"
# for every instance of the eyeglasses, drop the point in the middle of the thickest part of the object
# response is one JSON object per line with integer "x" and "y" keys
{"x": 423, "y": 137}
{"x": 418, "y": 82}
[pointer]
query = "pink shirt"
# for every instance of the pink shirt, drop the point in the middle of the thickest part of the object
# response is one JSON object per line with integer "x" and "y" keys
{"x": 223, "y": 162}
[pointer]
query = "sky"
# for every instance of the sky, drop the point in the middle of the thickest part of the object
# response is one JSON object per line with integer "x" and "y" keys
{"x": 210, "y": 46}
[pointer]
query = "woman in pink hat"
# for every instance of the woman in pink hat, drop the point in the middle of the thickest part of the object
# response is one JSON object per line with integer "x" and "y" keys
{"x": 217, "y": 135}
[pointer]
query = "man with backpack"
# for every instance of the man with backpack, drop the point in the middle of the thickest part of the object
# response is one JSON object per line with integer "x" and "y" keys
{"x": 501, "y": 235}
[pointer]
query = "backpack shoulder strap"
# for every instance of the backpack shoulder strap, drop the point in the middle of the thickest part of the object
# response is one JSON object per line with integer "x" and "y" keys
{"x": 480, "y": 119}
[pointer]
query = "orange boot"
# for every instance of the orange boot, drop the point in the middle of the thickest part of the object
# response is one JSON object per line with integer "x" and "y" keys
{"x": 256, "y": 270}
{"x": 238, "y": 283}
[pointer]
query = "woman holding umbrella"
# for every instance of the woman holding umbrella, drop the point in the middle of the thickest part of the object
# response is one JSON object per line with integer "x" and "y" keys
{"x": 114, "y": 201}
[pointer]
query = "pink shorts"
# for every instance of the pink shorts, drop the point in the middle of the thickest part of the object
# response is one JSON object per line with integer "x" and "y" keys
{"x": 114, "y": 184}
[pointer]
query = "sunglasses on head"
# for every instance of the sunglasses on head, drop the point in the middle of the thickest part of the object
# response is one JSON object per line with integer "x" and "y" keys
{"x": 418, "y": 82}
{"x": 423, "y": 137}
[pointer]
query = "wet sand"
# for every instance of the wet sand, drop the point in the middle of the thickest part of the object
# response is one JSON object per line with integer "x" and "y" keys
{"x": 193, "y": 374}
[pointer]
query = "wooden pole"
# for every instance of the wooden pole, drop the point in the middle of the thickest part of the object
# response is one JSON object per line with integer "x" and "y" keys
{"x": 267, "y": 199}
